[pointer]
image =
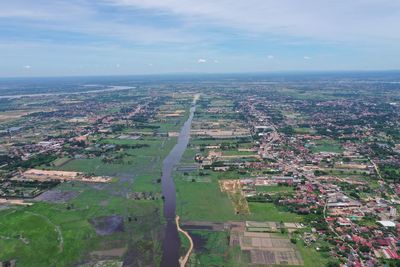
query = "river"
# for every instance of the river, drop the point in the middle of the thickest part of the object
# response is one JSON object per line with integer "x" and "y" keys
{"x": 171, "y": 244}
{"x": 108, "y": 89}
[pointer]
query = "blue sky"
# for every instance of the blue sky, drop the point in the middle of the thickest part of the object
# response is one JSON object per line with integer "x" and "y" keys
{"x": 99, "y": 37}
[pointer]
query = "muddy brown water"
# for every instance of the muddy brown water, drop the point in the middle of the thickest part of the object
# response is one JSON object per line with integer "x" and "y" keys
{"x": 171, "y": 243}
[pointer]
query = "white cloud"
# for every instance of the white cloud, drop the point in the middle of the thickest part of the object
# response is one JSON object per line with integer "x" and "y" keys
{"x": 167, "y": 31}
{"x": 309, "y": 18}
{"x": 316, "y": 19}
{"x": 84, "y": 18}
{"x": 27, "y": 67}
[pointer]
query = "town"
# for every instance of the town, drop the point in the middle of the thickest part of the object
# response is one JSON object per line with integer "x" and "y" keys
{"x": 275, "y": 173}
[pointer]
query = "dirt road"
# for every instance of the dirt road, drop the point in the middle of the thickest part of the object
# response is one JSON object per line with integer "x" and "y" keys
{"x": 183, "y": 260}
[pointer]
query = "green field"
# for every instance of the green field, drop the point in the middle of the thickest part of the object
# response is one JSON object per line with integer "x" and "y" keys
{"x": 269, "y": 212}
{"x": 237, "y": 153}
{"x": 144, "y": 164}
{"x": 216, "y": 251}
{"x": 303, "y": 130}
{"x": 311, "y": 257}
{"x": 327, "y": 146}
{"x": 51, "y": 234}
{"x": 204, "y": 201}
{"x": 60, "y": 161}
{"x": 274, "y": 189}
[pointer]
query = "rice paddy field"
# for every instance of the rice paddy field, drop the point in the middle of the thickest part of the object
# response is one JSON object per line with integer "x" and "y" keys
{"x": 77, "y": 223}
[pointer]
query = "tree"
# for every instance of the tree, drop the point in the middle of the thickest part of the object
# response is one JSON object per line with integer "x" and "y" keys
{"x": 333, "y": 264}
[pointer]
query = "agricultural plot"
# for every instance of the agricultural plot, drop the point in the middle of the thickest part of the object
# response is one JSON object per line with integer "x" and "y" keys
{"x": 269, "y": 249}
{"x": 211, "y": 248}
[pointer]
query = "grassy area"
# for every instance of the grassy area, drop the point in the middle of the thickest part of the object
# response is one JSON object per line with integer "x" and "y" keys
{"x": 142, "y": 164}
{"x": 212, "y": 142}
{"x": 274, "y": 189}
{"x": 303, "y": 130}
{"x": 194, "y": 201}
{"x": 346, "y": 173}
{"x": 215, "y": 250}
{"x": 311, "y": 257}
{"x": 327, "y": 146}
{"x": 188, "y": 156}
{"x": 269, "y": 212}
{"x": 61, "y": 161}
{"x": 52, "y": 235}
{"x": 185, "y": 244}
{"x": 237, "y": 153}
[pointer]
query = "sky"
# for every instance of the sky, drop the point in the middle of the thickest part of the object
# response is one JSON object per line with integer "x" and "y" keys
{"x": 122, "y": 37}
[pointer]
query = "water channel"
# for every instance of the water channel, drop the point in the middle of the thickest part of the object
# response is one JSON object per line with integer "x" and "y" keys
{"x": 171, "y": 244}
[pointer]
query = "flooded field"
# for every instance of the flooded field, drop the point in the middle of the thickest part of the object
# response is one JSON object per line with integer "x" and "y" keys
{"x": 108, "y": 225}
{"x": 57, "y": 196}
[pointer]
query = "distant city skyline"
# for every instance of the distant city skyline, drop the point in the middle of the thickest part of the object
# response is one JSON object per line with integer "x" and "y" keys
{"x": 128, "y": 37}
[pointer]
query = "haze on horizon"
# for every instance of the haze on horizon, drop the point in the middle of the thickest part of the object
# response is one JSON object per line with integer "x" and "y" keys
{"x": 115, "y": 37}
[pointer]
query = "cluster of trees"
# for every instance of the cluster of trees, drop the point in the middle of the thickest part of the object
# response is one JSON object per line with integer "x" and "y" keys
{"x": 381, "y": 150}
{"x": 116, "y": 159}
{"x": 392, "y": 263}
{"x": 128, "y": 146}
{"x": 23, "y": 189}
{"x": 288, "y": 130}
{"x": 320, "y": 173}
{"x": 390, "y": 172}
{"x": 261, "y": 197}
{"x": 6, "y": 159}
{"x": 37, "y": 160}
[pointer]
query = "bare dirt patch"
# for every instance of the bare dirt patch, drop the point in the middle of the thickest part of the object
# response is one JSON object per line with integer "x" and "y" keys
{"x": 6, "y": 116}
{"x": 234, "y": 190}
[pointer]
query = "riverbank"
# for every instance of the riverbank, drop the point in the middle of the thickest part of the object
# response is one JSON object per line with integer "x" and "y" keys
{"x": 183, "y": 260}
{"x": 171, "y": 244}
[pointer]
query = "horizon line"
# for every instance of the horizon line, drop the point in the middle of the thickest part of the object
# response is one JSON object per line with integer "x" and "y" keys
{"x": 288, "y": 72}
